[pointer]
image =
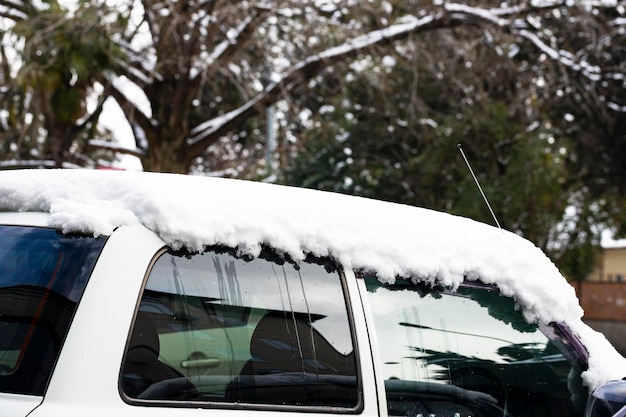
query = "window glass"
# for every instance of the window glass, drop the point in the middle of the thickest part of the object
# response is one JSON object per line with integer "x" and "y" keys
{"x": 219, "y": 328}
{"x": 469, "y": 353}
{"x": 42, "y": 277}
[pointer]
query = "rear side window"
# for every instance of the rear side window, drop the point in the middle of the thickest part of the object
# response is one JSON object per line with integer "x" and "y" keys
{"x": 216, "y": 328}
{"x": 42, "y": 277}
{"x": 470, "y": 353}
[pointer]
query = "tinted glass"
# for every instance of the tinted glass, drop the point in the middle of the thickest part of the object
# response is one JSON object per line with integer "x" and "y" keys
{"x": 42, "y": 277}
{"x": 213, "y": 327}
{"x": 469, "y": 353}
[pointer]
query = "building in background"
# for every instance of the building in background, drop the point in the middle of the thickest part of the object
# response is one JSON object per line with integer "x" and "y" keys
{"x": 610, "y": 264}
{"x": 603, "y": 294}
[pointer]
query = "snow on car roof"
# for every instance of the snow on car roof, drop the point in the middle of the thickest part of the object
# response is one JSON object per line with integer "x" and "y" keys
{"x": 392, "y": 240}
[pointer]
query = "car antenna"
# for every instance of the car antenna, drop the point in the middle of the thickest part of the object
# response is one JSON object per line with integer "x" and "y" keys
{"x": 479, "y": 187}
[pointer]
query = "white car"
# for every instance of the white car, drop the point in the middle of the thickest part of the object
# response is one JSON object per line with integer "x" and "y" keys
{"x": 136, "y": 294}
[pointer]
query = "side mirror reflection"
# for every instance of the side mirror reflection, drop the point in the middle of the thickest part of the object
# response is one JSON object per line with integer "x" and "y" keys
{"x": 609, "y": 400}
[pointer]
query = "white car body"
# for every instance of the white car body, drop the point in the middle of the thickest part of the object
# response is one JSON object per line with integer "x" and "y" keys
{"x": 142, "y": 215}
{"x": 85, "y": 379}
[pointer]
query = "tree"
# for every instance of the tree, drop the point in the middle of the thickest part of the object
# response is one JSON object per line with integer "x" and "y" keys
{"x": 209, "y": 68}
{"x": 60, "y": 58}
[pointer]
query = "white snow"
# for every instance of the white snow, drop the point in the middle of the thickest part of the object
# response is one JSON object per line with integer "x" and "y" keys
{"x": 391, "y": 239}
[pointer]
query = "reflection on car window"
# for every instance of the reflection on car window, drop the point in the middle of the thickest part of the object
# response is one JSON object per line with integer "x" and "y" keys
{"x": 213, "y": 327}
{"x": 42, "y": 277}
{"x": 468, "y": 353}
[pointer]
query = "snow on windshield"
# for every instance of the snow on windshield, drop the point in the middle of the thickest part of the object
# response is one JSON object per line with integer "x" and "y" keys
{"x": 392, "y": 240}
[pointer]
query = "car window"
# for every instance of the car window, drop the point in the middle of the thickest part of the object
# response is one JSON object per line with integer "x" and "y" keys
{"x": 218, "y": 328}
{"x": 469, "y": 353}
{"x": 42, "y": 277}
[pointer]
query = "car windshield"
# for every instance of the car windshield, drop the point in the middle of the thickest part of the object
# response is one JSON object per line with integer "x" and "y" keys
{"x": 470, "y": 352}
{"x": 42, "y": 277}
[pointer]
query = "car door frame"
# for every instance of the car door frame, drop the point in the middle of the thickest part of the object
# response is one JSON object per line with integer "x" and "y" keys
{"x": 89, "y": 383}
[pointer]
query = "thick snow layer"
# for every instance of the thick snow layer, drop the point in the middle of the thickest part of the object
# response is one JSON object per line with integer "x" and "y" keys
{"x": 391, "y": 239}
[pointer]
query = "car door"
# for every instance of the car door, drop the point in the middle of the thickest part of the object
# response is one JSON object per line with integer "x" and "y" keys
{"x": 42, "y": 277}
{"x": 216, "y": 332}
{"x": 86, "y": 375}
{"x": 468, "y": 352}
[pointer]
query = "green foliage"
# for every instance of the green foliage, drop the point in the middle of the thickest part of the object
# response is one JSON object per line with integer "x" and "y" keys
{"x": 61, "y": 56}
{"x": 395, "y": 137}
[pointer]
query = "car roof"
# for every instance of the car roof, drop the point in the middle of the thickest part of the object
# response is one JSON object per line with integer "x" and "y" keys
{"x": 391, "y": 240}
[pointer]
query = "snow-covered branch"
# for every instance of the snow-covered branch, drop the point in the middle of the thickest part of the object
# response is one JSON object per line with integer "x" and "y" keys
{"x": 450, "y": 15}
{"x": 236, "y": 39}
{"x": 524, "y": 30}
{"x": 206, "y": 133}
{"x": 592, "y": 72}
